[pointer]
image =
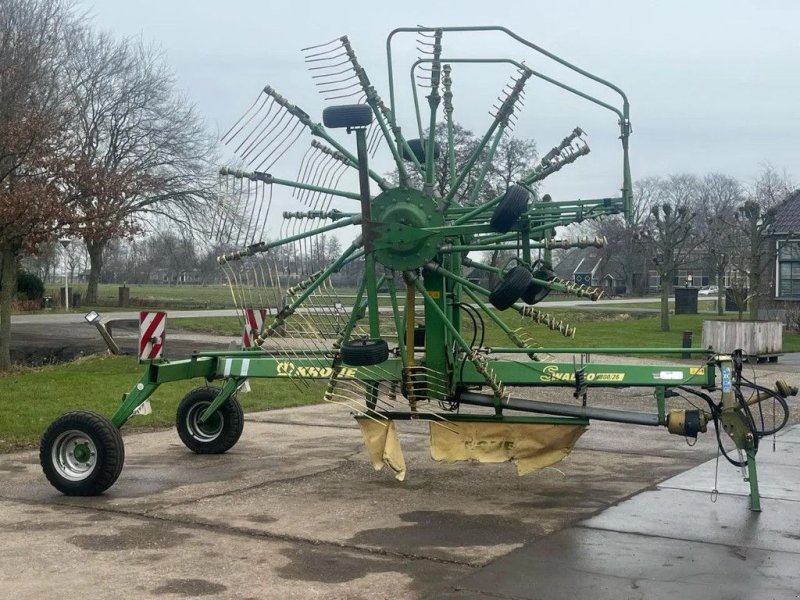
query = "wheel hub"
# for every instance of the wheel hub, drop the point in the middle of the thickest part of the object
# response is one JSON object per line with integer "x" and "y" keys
{"x": 401, "y": 218}
{"x": 74, "y": 455}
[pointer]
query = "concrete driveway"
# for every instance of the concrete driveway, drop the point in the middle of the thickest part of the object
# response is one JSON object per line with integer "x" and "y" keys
{"x": 296, "y": 511}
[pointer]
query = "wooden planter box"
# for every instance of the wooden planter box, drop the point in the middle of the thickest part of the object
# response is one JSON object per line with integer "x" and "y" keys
{"x": 756, "y": 338}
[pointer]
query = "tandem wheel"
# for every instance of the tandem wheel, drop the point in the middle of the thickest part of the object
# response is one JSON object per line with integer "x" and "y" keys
{"x": 219, "y": 433}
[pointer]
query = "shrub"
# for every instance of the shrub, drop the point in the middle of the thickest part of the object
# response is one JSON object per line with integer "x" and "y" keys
{"x": 29, "y": 285}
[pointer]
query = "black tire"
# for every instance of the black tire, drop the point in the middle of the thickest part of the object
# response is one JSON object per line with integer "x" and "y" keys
{"x": 219, "y": 433}
{"x": 364, "y": 353}
{"x": 82, "y": 454}
{"x": 347, "y": 115}
{"x": 509, "y": 289}
{"x": 419, "y": 336}
{"x": 417, "y": 147}
{"x": 536, "y": 292}
{"x": 509, "y": 209}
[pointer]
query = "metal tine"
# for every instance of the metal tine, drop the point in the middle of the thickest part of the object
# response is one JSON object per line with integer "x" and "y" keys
{"x": 260, "y": 198}
{"x": 313, "y": 55}
{"x": 343, "y": 95}
{"x": 218, "y": 212}
{"x": 246, "y": 198}
{"x": 269, "y": 140}
{"x": 265, "y": 136}
{"x": 234, "y": 212}
{"x": 355, "y": 84}
{"x": 333, "y": 41}
{"x": 322, "y": 75}
{"x": 227, "y": 133}
{"x": 300, "y": 171}
{"x": 286, "y": 146}
{"x": 307, "y": 198}
{"x": 351, "y": 77}
{"x": 346, "y": 62}
{"x": 375, "y": 137}
{"x": 316, "y": 156}
{"x": 257, "y": 128}
{"x": 324, "y": 58}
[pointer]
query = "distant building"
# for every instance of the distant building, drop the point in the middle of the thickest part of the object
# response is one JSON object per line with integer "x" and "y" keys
{"x": 784, "y": 267}
{"x": 168, "y": 276}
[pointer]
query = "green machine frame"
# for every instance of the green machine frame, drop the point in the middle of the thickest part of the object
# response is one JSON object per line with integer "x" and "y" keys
{"x": 414, "y": 238}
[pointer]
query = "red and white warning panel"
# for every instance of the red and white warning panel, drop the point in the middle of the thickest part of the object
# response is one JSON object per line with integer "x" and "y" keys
{"x": 152, "y": 332}
{"x": 253, "y": 321}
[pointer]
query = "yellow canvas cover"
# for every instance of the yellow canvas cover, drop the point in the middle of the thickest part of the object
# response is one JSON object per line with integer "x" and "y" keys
{"x": 531, "y": 446}
{"x": 383, "y": 446}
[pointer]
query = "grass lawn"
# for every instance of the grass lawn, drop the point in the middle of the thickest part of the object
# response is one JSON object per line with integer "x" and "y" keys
{"x": 594, "y": 328}
{"x": 32, "y": 398}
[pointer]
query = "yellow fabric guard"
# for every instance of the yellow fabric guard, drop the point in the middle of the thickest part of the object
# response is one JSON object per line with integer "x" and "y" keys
{"x": 532, "y": 446}
{"x": 383, "y": 446}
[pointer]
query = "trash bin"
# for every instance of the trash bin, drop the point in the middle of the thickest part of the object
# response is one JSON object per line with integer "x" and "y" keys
{"x": 76, "y": 299}
{"x": 47, "y": 301}
{"x": 686, "y": 301}
{"x": 124, "y": 296}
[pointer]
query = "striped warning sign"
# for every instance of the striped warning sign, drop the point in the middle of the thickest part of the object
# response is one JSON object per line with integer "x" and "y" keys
{"x": 253, "y": 320}
{"x": 152, "y": 331}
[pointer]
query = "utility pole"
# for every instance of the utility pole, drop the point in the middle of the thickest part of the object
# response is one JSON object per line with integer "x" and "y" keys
{"x": 65, "y": 243}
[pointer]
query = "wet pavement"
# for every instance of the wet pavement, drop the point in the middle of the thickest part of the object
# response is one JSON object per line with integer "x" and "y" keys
{"x": 296, "y": 511}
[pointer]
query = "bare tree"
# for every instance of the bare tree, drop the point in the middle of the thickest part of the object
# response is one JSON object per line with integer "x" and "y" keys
{"x": 719, "y": 197}
{"x": 32, "y": 149}
{"x": 752, "y": 224}
{"x": 674, "y": 235}
{"x": 144, "y": 152}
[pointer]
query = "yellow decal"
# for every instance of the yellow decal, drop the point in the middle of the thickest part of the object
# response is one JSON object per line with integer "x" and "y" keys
{"x": 697, "y": 370}
{"x": 551, "y": 373}
{"x": 289, "y": 369}
{"x": 435, "y": 294}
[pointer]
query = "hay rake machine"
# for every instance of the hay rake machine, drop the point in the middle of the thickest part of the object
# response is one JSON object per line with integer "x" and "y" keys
{"x": 408, "y": 354}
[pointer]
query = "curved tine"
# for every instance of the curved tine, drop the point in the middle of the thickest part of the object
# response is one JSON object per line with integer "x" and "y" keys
{"x": 300, "y": 169}
{"x": 322, "y": 75}
{"x": 351, "y": 77}
{"x": 307, "y": 174}
{"x": 350, "y": 95}
{"x": 265, "y": 141}
{"x": 287, "y": 143}
{"x": 338, "y": 39}
{"x": 215, "y": 219}
{"x": 263, "y": 101}
{"x": 326, "y": 180}
{"x": 346, "y": 62}
{"x": 255, "y": 131}
{"x": 232, "y": 211}
{"x": 375, "y": 138}
{"x": 225, "y": 208}
{"x": 240, "y": 222}
{"x": 325, "y": 58}
{"x": 319, "y": 175}
{"x": 339, "y": 89}
{"x": 265, "y": 222}
{"x": 342, "y": 169}
{"x": 256, "y": 217}
{"x": 306, "y": 199}
{"x": 323, "y": 53}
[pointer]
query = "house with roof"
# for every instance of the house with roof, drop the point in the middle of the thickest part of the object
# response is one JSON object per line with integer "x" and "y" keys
{"x": 587, "y": 266}
{"x": 784, "y": 268}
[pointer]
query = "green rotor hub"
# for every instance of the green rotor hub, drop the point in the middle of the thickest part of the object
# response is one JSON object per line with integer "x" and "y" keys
{"x": 402, "y": 219}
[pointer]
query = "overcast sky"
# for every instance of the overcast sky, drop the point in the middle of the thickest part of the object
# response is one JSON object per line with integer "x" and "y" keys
{"x": 713, "y": 84}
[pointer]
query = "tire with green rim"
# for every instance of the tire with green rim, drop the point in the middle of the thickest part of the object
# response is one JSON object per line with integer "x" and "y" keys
{"x": 82, "y": 453}
{"x": 509, "y": 289}
{"x": 219, "y": 433}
